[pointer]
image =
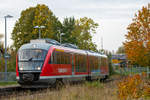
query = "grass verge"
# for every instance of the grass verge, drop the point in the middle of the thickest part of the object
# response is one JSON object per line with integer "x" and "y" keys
{"x": 8, "y": 83}
{"x": 86, "y": 91}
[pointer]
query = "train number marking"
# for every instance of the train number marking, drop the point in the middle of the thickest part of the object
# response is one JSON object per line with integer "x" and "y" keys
{"x": 62, "y": 70}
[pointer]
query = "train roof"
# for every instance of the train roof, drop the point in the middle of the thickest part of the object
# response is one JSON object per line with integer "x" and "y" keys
{"x": 45, "y": 44}
{"x": 92, "y": 53}
{"x": 45, "y": 40}
{"x": 80, "y": 51}
{"x": 68, "y": 49}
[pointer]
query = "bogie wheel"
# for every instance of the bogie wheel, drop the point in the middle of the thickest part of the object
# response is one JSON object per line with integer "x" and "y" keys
{"x": 104, "y": 79}
{"x": 51, "y": 85}
{"x": 59, "y": 84}
{"x": 88, "y": 79}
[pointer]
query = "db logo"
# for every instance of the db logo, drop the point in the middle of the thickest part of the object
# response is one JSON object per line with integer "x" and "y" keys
{"x": 62, "y": 70}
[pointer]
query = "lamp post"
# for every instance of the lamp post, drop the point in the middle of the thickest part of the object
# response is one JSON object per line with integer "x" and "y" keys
{"x": 7, "y": 16}
{"x": 60, "y": 36}
{"x": 39, "y": 27}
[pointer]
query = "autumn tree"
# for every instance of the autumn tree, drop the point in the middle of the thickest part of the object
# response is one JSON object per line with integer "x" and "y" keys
{"x": 78, "y": 32}
{"x": 40, "y": 15}
{"x": 10, "y": 62}
{"x": 121, "y": 50}
{"x": 1, "y": 44}
{"x": 137, "y": 44}
{"x": 1, "y": 54}
{"x": 84, "y": 29}
{"x": 68, "y": 26}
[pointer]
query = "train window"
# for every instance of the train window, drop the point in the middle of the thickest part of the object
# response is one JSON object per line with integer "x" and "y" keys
{"x": 103, "y": 62}
{"x": 96, "y": 67}
{"x": 94, "y": 63}
{"x": 99, "y": 61}
{"x": 60, "y": 58}
{"x": 80, "y": 63}
{"x": 76, "y": 62}
{"x": 91, "y": 62}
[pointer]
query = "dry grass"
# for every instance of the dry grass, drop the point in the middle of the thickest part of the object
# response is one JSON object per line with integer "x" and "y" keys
{"x": 86, "y": 91}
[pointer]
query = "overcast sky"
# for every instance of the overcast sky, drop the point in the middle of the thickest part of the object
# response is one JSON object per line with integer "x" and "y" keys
{"x": 113, "y": 16}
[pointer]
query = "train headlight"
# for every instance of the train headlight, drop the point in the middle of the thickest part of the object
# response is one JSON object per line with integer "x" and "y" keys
{"x": 38, "y": 68}
{"x": 20, "y": 68}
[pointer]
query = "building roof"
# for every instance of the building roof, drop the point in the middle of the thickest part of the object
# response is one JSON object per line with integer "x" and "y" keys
{"x": 119, "y": 56}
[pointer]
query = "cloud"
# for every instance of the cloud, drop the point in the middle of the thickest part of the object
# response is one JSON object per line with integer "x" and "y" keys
{"x": 112, "y": 15}
{"x": 99, "y": 8}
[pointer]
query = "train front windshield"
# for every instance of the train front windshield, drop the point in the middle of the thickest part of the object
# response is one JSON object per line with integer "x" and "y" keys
{"x": 31, "y": 59}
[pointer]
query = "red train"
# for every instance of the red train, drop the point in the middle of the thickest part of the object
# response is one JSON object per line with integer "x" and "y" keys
{"x": 43, "y": 62}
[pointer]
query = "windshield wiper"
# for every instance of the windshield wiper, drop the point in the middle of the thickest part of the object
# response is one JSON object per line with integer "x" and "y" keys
{"x": 30, "y": 59}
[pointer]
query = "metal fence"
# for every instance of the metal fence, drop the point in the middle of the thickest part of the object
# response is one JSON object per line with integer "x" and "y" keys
{"x": 11, "y": 76}
{"x": 132, "y": 70}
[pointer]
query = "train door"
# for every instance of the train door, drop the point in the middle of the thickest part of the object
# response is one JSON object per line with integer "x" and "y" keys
{"x": 103, "y": 66}
{"x": 72, "y": 63}
{"x": 88, "y": 66}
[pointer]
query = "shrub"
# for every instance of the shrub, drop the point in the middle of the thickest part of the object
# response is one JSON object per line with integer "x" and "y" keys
{"x": 134, "y": 87}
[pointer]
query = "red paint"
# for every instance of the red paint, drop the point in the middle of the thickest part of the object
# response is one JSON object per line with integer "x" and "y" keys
{"x": 63, "y": 69}
{"x": 17, "y": 73}
{"x": 55, "y": 69}
{"x": 104, "y": 69}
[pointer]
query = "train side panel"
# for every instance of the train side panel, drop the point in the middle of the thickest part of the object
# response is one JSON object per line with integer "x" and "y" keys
{"x": 80, "y": 64}
{"x": 17, "y": 73}
{"x": 104, "y": 66}
{"x": 53, "y": 69}
{"x": 64, "y": 63}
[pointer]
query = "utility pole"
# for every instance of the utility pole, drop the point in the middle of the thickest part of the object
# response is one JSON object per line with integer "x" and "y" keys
{"x": 39, "y": 27}
{"x": 7, "y": 16}
{"x": 61, "y": 36}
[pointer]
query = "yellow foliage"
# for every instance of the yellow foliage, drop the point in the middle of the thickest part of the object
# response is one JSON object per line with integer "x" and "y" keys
{"x": 137, "y": 44}
{"x": 133, "y": 87}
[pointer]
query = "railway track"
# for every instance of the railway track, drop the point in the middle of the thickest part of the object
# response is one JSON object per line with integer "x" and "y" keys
{"x": 6, "y": 92}
{"x": 15, "y": 90}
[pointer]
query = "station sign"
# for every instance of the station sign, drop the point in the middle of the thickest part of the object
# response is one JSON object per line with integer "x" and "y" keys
{"x": 116, "y": 61}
